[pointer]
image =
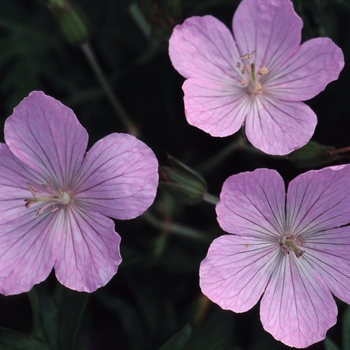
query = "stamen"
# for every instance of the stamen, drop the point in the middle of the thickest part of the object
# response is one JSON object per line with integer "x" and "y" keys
{"x": 251, "y": 74}
{"x": 51, "y": 197}
{"x": 263, "y": 71}
{"x": 247, "y": 55}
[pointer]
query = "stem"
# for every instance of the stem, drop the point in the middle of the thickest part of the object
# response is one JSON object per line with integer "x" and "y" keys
{"x": 341, "y": 150}
{"x": 209, "y": 198}
{"x": 174, "y": 228}
{"x": 116, "y": 104}
{"x": 213, "y": 162}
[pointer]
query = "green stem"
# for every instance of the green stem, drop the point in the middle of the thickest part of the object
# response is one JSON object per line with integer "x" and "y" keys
{"x": 209, "y": 198}
{"x": 212, "y": 163}
{"x": 116, "y": 104}
{"x": 175, "y": 228}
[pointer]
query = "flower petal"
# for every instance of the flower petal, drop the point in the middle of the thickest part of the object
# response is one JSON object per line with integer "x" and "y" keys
{"x": 279, "y": 127}
{"x": 88, "y": 253}
{"x": 297, "y": 307}
{"x": 14, "y": 186}
{"x": 217, "y": 109}
{"x": 328, "y": 254}
{"x": 319, "y": 200}
{"x": 26, "y": 247}
{"x": 252, "y": 204}
{"x": 316, "y": 63}
{"x": 203, "y": 47}
{"x": 236, "y": 271}
{"x": 46, "y": 135}
{"x": 118, "y": 178}
{"x": 270, "y": 28}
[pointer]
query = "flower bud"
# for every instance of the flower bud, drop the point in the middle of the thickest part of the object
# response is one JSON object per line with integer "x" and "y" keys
{"x": 182, "y": 182}
{"x": 312, "y": 154}
{"x": 72, "y": 23}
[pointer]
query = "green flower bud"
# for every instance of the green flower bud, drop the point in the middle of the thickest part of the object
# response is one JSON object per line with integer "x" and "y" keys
{"x": 312, "y": 154}
{"x": 72, "y": 23}
{"x": 182, "y": 182}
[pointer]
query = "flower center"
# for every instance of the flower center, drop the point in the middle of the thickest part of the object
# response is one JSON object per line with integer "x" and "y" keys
{"x": 292, "y": 243}
{"x": 51, "y": 197}
{"x": 251, "y": 77}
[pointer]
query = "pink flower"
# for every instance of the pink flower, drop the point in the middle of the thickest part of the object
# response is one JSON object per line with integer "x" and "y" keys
{"x": 257, "y": 79}
{"x": 54, "y": 198}
{"x": 293, "y": 249}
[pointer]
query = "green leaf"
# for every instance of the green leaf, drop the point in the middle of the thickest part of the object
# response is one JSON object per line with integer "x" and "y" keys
{"x": 56, "y": 316}
{"x": 330, "y": 345}
{"x": 177, "y": 341}
{"x": 346, "y": 329}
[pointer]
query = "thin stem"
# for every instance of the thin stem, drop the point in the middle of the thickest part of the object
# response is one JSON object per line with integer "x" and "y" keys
{"x": 213, "y": 162}
{"x": 209, "y": 198}
{"x": 341, "y": 150}
{"x": 116, "y": 104}
{"x": 175, "y": 228}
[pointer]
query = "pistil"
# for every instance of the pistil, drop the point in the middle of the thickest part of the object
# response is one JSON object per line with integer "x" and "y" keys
{"x": 292, "y": 243}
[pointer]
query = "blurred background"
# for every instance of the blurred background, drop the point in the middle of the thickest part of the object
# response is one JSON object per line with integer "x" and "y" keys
{"x": 154, "y": 301}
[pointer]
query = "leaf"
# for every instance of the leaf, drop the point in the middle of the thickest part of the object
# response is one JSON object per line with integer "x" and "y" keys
{"x": 177, "y": 341}
{"x": 56, "y": 315}
{"x": 346, "y": 329}
{"x": 330, "y": 345}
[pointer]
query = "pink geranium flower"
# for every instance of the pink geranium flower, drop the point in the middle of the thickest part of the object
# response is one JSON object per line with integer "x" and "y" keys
{"x": 257, "y": 78}
{"x": 293, "y": 249}
{"x": 55, "y": 199}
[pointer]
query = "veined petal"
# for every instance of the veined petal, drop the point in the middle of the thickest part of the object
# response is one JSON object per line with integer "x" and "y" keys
{"x": 203, "y": 47}
{"x": 252, "y": 204}
{"x": 319, "y": 200}
{"x": 279, "y": 127}
{"x": 27, "y": 250}
{"x": 236, "y": 271}
{"x": 316, "y": 63}
{"x": 297, "y": 308}
{"x": 14, "y": 186}
{"x": 217, "y": 109}
{"x": 118, "y": 178}
{"x": 270, "y": 28}
{"x": 46, "y": 135}
{"x": 88, "y": 253}
{"x": 328, "y": 254}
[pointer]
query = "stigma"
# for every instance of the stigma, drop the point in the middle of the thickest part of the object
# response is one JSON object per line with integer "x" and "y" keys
{"x": 251, "y": 76}
{"x": 50, "y": 197}
{"x": 292, "y": 243}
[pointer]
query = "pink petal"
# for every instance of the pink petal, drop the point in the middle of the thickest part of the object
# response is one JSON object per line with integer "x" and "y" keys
{"x": 319, "y": 200}
{"x": 328, "y": 254}
{"x": 236, "y": 271}
{"x": 217, "y": 109}
{"x": 203, "y": 47}
{"x": 252, "y": 204}
{"x": 88, "y": 252}
{"x": 270, "y": 28}
{"x": 316, "y": 63}
{"x": 279, "y": 127}
{"x": 118, "y": 178}
{"x": 297, "y": 307}
{"x": 46, "y": 135}
{"x": 14, "y": 188}
{"x": 26, "y": 250}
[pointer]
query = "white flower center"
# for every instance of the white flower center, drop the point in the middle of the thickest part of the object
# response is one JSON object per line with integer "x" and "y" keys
{"x": 251, "y": 77}
{"x": 292, "y": 243}
{"x": 51, "y": 197}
